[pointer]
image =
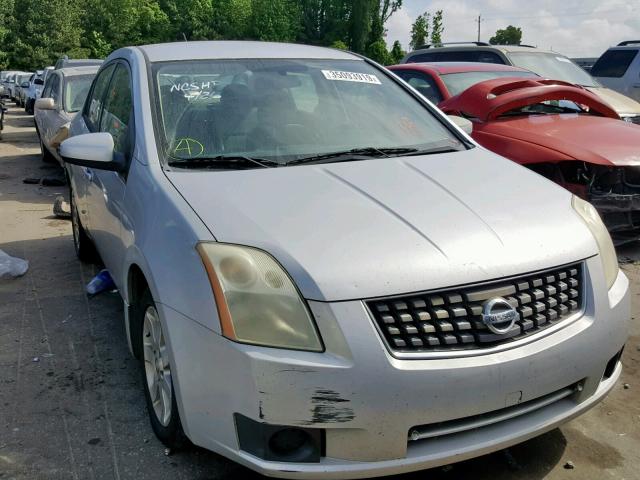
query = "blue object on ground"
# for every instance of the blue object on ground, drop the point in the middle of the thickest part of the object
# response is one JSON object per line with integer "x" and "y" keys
{"x": 101, "y": 282}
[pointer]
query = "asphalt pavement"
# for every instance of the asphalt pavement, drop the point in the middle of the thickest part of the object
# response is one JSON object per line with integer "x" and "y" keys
{"x": 71, "y": 398}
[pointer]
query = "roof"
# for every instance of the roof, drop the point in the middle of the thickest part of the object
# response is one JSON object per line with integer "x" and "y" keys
{"x": 238, "y": 49}
{"x": 74, "y": 71}
{"x": 501, "y": 48}
{"x": 443, "y": 68}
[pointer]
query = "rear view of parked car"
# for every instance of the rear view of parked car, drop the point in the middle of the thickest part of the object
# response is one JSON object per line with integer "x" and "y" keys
{"x": 62, "y": 98}
{"x": 544, "y": 63}
{"x": 36, "y": 83}
{"x": 619, "y": 69}
{"x": 21, "y": 88}
{"x": 323, "y": 276}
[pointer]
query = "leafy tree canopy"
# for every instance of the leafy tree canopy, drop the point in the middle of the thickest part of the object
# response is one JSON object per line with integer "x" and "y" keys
{"x": 507, "y": 36}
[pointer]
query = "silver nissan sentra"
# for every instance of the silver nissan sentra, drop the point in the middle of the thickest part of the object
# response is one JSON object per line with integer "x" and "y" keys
{"x": 323, "y": 275}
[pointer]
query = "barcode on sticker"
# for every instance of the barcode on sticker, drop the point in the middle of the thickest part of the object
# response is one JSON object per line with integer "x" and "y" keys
{"x": 350, "y": 76}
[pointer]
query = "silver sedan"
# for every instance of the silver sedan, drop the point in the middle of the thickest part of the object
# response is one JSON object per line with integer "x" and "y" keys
{"x": 323, "y": 276}
{"x": 62, "y": 98}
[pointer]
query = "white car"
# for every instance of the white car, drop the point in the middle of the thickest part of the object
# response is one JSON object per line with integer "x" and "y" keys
{"x": 62, "y": 98}
{"x": 323, "y": 276}
{"x": 619, "y": 68}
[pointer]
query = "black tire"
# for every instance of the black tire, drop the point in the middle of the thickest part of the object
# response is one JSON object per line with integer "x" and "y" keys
{"x": 46, "y": 155}
{"x": 169, "y": 432}
{"x": 85, "y": 249}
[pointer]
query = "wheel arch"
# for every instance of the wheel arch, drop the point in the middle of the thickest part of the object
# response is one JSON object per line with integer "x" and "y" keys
{"x": 136, "y": 285}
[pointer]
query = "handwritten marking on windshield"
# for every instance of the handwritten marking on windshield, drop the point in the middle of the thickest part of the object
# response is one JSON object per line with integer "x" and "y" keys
{"x": 189, "y": 145}
{"x": 191, "y": 87}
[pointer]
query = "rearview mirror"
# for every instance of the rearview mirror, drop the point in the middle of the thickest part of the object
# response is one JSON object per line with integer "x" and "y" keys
{"x": 45, "y": 104}
{"x": 93, "y": 150}
{"x": 38, "y": 81}
{"x": 464, "y": 124}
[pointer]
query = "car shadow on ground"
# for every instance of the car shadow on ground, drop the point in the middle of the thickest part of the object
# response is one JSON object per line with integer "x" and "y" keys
{"x": 88, "y": 388}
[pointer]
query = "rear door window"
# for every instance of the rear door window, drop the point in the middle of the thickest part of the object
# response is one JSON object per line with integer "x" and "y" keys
{"x": 613, "y": 63}
{"x": 423, "y": 83}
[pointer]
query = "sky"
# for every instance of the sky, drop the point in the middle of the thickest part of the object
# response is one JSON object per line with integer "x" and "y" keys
{"x": 575, "y": 28}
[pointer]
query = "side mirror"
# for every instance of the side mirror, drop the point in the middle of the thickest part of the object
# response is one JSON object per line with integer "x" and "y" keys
{"x": 93, "y": 150}
{"x": 45, "y": 104}
{"x": 38, "y": 81}
{"x": 464, "y": 124}
{"x": 24, "y": 85}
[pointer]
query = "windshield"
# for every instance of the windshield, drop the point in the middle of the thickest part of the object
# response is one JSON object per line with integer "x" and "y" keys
{"x": 459, "y": 82}
{"x": 285, "y": 110}
{"x": 76, "y": 90}
{"x": 553, "y": 66}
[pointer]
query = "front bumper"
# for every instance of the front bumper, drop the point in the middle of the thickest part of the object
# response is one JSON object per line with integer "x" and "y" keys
{"x": 620, "y": 213}
{"x": 366, "y": 401}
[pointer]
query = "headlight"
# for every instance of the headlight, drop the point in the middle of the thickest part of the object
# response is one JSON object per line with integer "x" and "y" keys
{"x": 257, "y": 301}
{"x": 607, "y": 251}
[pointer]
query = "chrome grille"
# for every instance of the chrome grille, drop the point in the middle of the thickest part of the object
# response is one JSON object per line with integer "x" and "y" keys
{"x": 452, "y": 319}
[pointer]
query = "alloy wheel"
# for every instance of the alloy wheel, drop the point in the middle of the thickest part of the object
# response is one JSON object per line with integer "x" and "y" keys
{"x": 156, "y": 365}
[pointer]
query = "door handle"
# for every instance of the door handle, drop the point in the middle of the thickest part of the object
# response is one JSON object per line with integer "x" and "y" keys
{"x": 88, "y": 173}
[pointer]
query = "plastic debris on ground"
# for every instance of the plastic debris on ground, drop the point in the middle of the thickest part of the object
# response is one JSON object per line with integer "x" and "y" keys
{"x": 11, "y": 267}
{"x": 61, "y": 208}
{"x": 100, "y": 283}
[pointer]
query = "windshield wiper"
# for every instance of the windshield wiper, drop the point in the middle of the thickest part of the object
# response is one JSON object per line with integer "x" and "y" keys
{"x": 224, "y": 161}
{"x": 370, "y": 152}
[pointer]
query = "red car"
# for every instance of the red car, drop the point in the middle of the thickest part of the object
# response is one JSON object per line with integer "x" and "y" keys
{"x": 557, "y": 129}
{"x": 440, "y": 81}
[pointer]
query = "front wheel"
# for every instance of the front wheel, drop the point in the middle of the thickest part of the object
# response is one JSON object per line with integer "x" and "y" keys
{"x": 157, "y": 375}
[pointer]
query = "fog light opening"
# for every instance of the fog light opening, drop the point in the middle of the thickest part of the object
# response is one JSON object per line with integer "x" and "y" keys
{"x": 291, "y": 442}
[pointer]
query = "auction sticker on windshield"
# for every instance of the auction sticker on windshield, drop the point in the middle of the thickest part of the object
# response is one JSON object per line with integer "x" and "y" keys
{"x": 350, "y": 76}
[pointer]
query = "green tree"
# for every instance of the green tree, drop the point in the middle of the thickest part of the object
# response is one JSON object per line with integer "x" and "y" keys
{"x": 6, "y": 22}
{"x": 231, "y": 19}
{"x": 324, "y": 22}
{"x": 340, "y": 45}
{"x": 274, "y": 20}
{"x": 43, "y": 32}
{"x": 117, "y": 23}
{"x": 360, "y": 25}
{"x": 378, "y": 52}
{"x": 188, "y": 19}
{"x": 420, "y": 31}
{"x": 437, "y": 28}
{"x": 507, "y": 36}
{"x": 397, "y": 53}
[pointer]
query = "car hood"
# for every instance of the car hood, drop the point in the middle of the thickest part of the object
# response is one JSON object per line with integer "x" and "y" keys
{"x": 388, "y": 226}
{"x": 598, "y": 140}
{"x": 622, "y": 104}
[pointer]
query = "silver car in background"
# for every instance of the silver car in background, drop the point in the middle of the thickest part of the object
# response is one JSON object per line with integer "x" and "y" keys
{"x": 21, "y": 88}
{"x": 62, "y": 98}
{"x": 322, "y": 275}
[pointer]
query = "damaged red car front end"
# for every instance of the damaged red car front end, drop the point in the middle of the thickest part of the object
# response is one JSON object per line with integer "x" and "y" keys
{"x": 565, "y": 133}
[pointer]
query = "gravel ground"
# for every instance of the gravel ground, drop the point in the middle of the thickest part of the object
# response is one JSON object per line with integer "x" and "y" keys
{"x": 71, "y": 401}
